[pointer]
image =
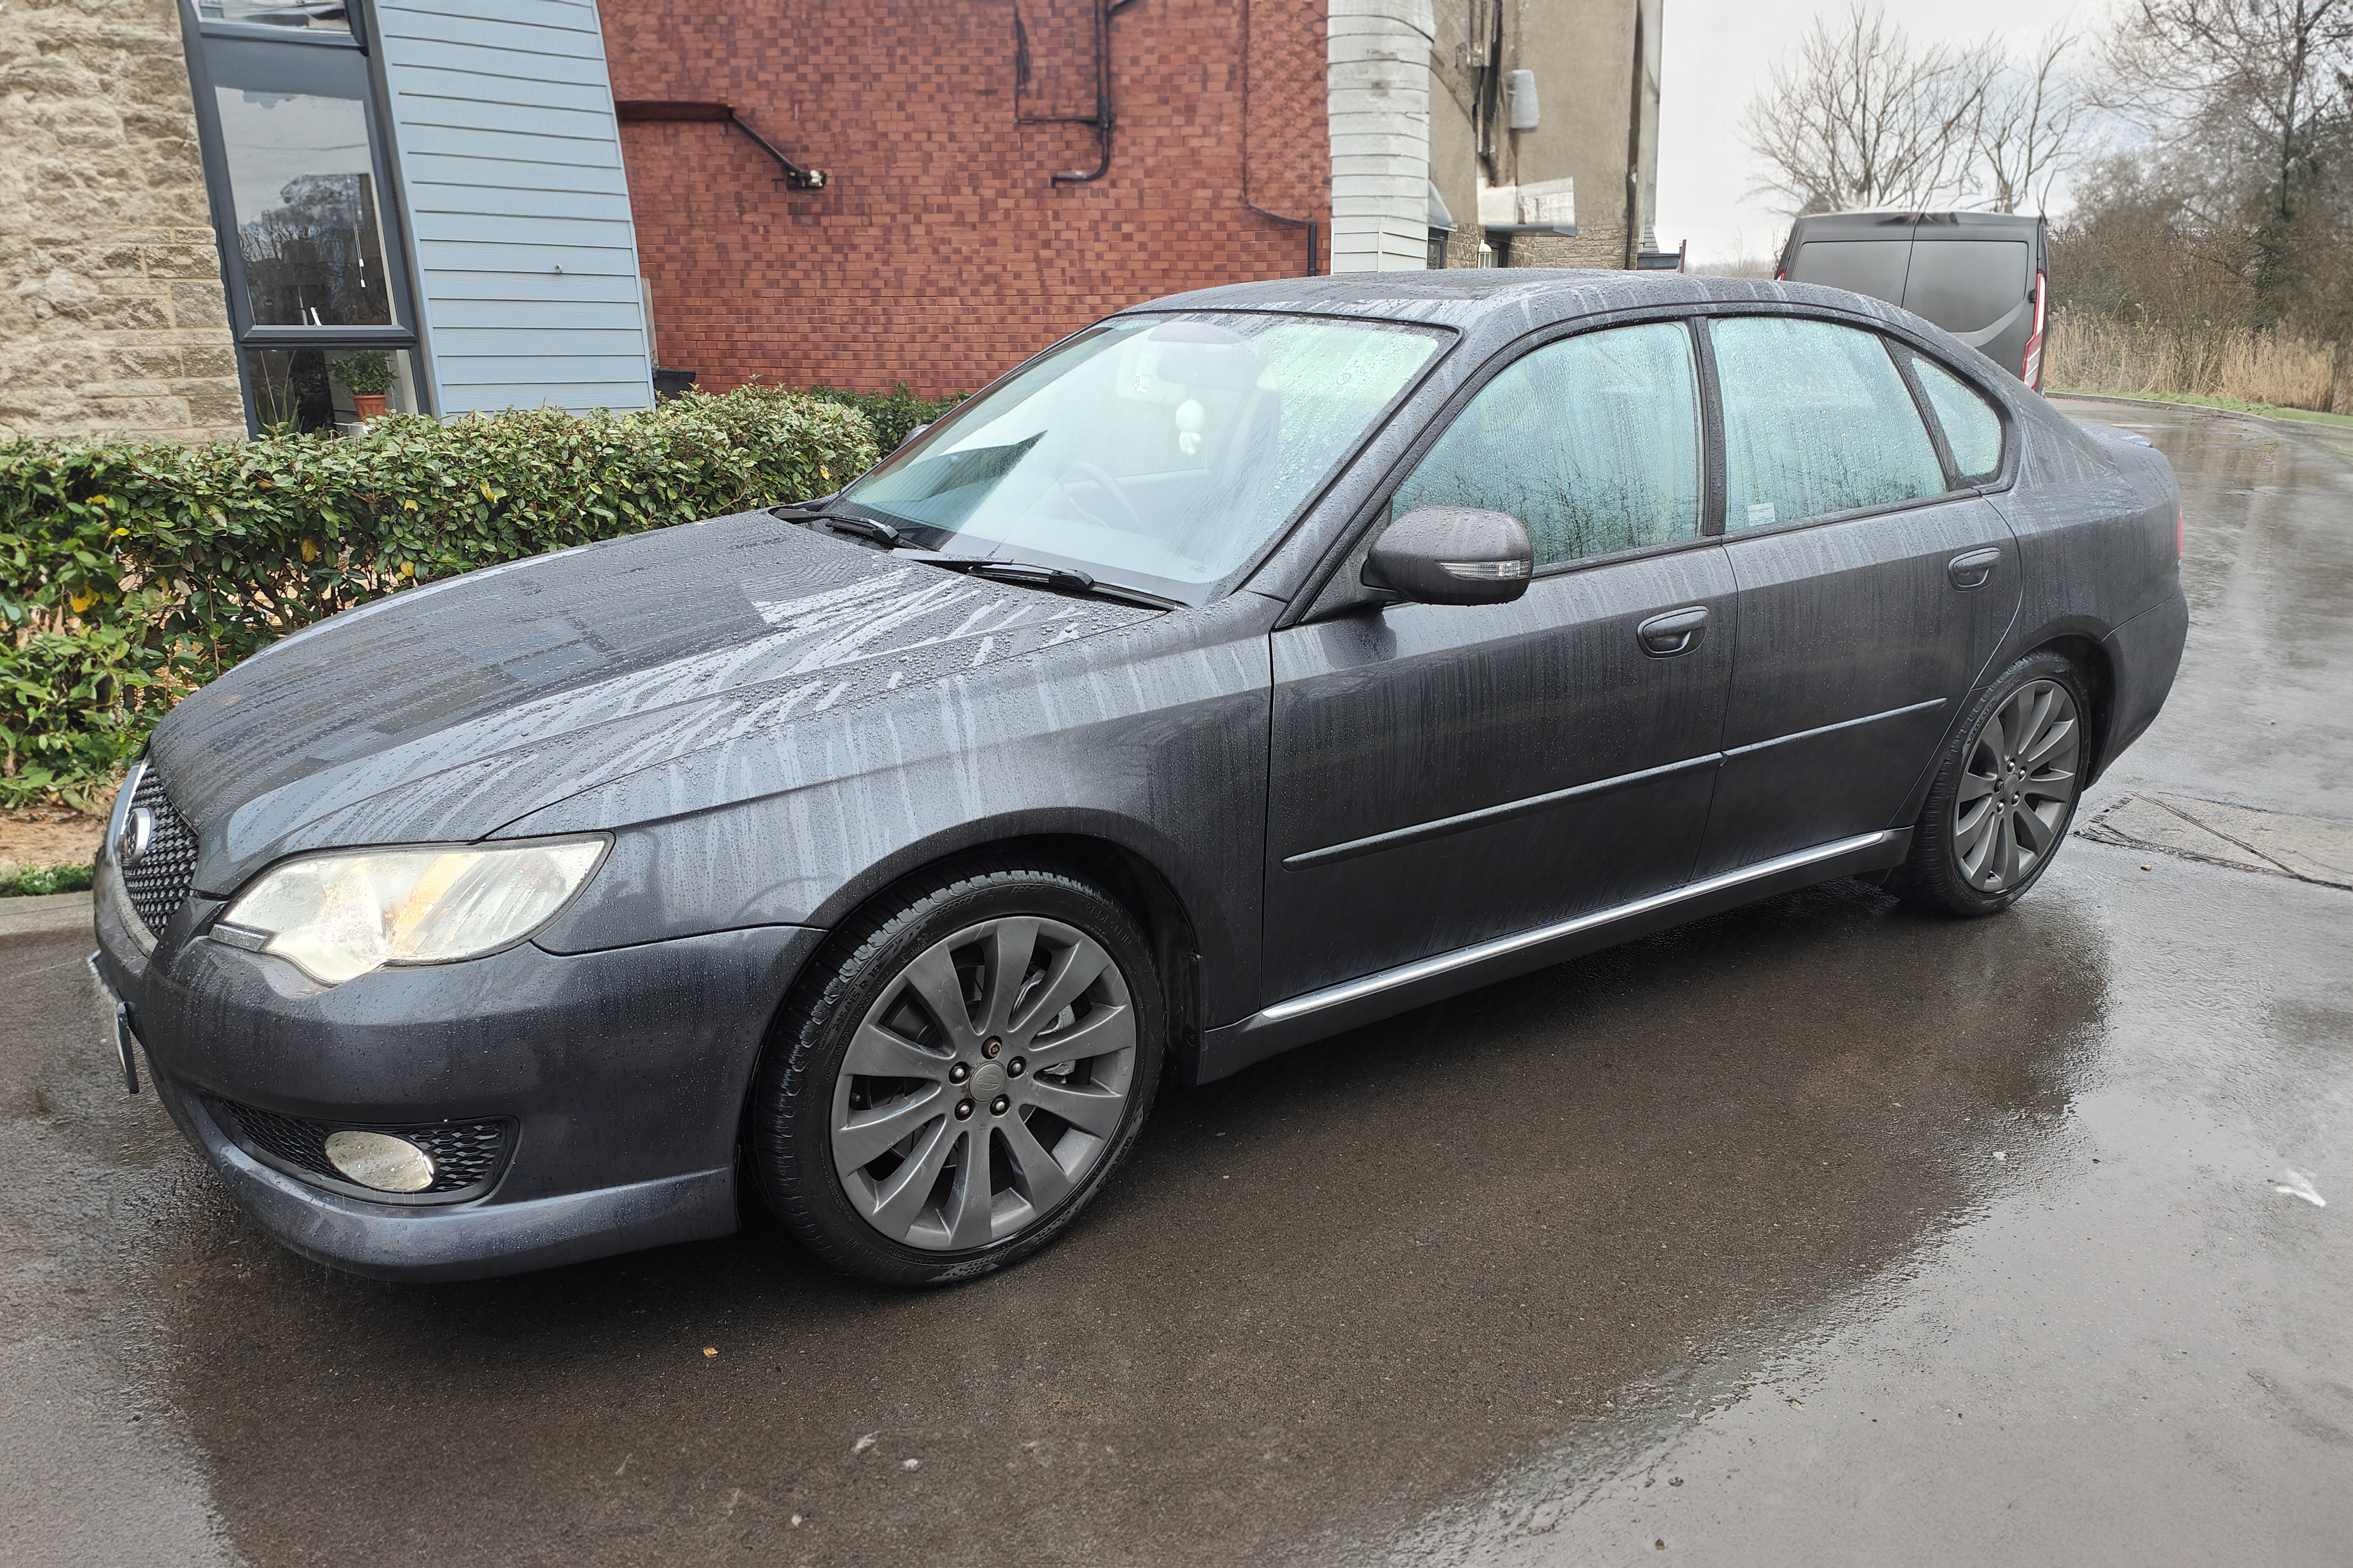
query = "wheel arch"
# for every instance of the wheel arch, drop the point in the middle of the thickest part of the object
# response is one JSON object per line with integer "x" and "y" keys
{"x": 2088, "y": 652}
{"x": 1095, "y": 850}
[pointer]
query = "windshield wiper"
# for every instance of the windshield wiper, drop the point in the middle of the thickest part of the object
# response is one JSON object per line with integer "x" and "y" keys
{"x": 810, "y": 514}
{"x": 1066, "y": 579}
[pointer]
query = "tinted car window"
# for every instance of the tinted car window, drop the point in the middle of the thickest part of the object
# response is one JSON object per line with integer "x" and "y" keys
{"x": 1816, "y": 420}
{"x": 1967, "y": 286}
{"x": 1591, "y": 442}
{"x": 1972, "y": 428}
{"x": 1872, "y": 267}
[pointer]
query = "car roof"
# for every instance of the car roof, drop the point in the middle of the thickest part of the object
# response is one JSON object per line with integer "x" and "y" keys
{"x": 1922, "y": 225}
{"x": 1508, "y": 298}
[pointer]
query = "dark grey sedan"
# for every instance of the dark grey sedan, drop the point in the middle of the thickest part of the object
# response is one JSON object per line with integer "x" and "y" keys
{"x": 1254, "y": 664}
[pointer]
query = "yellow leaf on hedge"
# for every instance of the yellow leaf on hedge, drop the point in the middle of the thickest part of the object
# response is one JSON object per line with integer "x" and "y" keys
{"x": 81, "y": 602}
{"x": 310, "y": 551}
{"x": 121, "y": 532}
{"x": 824, "y": 473}
{"x": 487, "y": 494}
{"x": 409, "y": 568}
{"x": 408, "y": 506}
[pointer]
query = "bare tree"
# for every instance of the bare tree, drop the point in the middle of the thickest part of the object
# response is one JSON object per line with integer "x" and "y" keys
{"x": 2031, "y": 131}
{"x": 1864, "y": 118}
{"x": 2266, "y": 86}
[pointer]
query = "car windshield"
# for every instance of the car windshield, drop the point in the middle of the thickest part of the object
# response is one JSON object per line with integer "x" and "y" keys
{"x": 1161, "y": 452}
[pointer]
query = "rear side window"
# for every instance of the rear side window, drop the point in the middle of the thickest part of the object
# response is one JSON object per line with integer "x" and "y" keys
{"x": 1972, "y": 428}
{"x": 1592, "y": 443}
{"x": 1872, "y": 267}
{"x": 1817, "y": 419}
{"x": 1968, "y": 286}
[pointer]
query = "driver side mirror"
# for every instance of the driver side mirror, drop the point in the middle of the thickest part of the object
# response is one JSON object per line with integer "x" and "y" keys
{"x": 1452, "y": 555}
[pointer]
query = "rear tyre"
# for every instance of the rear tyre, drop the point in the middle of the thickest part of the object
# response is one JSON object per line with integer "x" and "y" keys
{"x": 2005, "y": 792}
{"x": 958, "y": 1074}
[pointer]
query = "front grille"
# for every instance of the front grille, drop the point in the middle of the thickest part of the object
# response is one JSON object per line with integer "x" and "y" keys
{"x": 160, "y": 879}
{"x": 466, "y": 1154}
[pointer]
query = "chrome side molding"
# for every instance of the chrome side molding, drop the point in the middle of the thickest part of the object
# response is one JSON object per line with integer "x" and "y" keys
{"x": 1412, "y": 973}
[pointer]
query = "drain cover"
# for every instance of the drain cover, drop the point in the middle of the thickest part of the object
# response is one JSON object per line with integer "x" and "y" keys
{"x": 2305, "y": 847}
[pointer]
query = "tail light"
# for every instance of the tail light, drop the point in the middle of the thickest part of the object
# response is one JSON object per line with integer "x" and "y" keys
{"x": 2031, "y": 372}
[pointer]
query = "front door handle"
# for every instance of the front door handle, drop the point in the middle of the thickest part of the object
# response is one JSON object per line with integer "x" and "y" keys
{"x": 1677, "y": 631}
{"x": 1973, "y": 569}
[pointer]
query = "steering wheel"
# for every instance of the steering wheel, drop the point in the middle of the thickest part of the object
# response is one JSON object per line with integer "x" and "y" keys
{"x": 1111, "y": 486}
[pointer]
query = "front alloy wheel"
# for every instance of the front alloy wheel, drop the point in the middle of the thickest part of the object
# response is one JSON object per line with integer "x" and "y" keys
{"x": 958, "y": 1072}
{"x": 984, "y": 1083}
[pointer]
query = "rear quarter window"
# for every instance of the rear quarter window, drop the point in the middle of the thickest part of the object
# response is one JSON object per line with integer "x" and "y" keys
{"x": 1872, "y": 267}
{"x": 1968, "y": 285}
{"x": 1972, "y": 428}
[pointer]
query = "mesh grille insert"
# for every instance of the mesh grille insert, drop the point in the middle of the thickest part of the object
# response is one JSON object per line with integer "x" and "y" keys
{"x": 159, "y": 882}
{"x": 466, "y": 1154}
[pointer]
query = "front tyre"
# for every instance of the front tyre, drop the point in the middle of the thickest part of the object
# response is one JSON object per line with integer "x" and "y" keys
{"x": 960, "y": 1070}
{"x": 2005, "y": 793}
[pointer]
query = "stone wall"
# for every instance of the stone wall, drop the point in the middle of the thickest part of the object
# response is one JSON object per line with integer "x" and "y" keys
{"x": 112, "y": 316}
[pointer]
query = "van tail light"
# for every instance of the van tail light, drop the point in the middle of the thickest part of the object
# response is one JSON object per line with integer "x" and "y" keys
{"x": 1780, "y": 277}
{"x": 2031, "y": 372}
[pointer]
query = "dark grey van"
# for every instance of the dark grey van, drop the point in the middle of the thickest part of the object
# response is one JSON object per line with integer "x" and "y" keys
{"x": 1980, "y": 276}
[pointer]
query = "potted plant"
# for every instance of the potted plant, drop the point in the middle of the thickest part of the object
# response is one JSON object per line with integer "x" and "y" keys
{"x": 366, "y": 375}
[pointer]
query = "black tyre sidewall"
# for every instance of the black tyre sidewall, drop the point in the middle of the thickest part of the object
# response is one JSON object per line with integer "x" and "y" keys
{"x": 1932, "y": 875}
{"x": 789, "y": 1131}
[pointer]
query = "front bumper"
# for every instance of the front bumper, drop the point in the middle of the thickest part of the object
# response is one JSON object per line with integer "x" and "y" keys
{"x": 620, "y": 1076}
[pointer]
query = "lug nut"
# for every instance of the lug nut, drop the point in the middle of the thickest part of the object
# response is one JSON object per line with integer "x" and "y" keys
{"x": 1016, "y": 1067}
{"x": 959, "y": 1073}
{"x": 964, "y": 1110}
{"x": 990, "y": 1047}
{"x": 997, "y": 1107}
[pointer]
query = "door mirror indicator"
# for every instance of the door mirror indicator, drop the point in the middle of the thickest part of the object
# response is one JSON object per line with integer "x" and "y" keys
{"x": 1452, "y": 555}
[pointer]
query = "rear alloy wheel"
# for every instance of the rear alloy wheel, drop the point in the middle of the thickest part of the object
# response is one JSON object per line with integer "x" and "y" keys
{"x": 2004, "y": 798}
{"x": 964, "y": 1077}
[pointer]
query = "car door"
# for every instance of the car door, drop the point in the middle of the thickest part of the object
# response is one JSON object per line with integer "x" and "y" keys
{"x": 1446, "y": 775}
{"x": 1874, "y": 584}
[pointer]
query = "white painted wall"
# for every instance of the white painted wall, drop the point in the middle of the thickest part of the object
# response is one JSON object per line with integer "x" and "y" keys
{"x": 524, "y": 253}
{"x": 1378, "y": 102}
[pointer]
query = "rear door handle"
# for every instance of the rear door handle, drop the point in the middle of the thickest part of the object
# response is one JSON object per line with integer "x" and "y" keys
{"x": 1677, "y": 631}
{"x": 1973, "y": 569}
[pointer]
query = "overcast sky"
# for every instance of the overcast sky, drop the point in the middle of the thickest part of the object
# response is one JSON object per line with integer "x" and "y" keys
{"x": 1717, "y": 53}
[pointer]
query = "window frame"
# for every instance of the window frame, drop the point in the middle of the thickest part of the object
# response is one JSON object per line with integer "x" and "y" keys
{"x": 248, "y": 336}
{"x": 1710, "y": 434}
{"x": 1898, "y": 345}
{"x": 1330, "y": 588}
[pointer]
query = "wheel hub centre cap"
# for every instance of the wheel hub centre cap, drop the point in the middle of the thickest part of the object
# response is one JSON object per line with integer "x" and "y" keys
{"x": 987, "y": 1082}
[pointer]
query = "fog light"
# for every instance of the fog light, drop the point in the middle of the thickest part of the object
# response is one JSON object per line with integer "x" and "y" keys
{"x": 381, "y": 1161}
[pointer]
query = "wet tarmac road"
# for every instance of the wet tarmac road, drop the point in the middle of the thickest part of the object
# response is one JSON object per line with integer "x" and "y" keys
{"x": 1819, "y": 1232}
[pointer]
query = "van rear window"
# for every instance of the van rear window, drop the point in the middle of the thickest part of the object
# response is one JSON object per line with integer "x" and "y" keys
{"x": 1872, "y": 267}
{"x": 1967, "y": 285}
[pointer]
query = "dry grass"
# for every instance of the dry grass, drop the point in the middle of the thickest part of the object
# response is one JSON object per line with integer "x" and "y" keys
{"x": 2098, "y": 353}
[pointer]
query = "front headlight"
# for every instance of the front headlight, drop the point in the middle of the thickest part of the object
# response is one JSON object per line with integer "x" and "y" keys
{"x": 339, "y": 915}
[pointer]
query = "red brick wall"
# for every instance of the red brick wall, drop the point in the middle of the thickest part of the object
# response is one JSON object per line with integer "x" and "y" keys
{"x": 939, "y": 253}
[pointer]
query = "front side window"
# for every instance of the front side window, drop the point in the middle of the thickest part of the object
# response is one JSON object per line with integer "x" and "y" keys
{"x": 1593, "y": 443}
{"x": 1972, "y": 428}
{"x": 1817, "y": 419}
{"x": 1166, "y": 451}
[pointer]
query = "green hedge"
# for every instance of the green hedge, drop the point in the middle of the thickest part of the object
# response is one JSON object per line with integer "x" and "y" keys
{"x": 132, "y": 573}
{"x": 895, "y": 413}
